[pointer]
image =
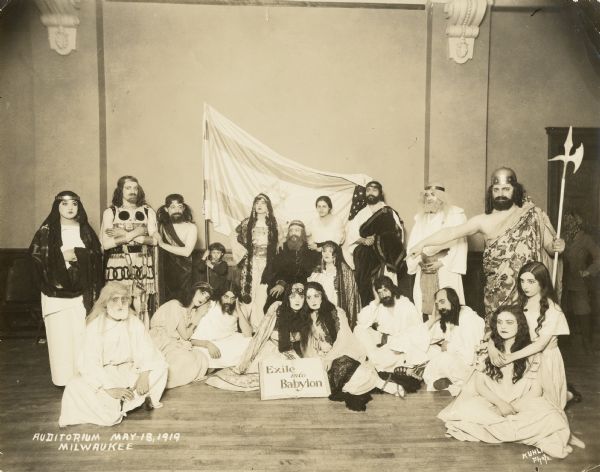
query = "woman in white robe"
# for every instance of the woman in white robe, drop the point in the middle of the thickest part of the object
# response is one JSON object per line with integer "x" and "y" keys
{"x": 325, "y": 226}
{"x": 120, "y": 367}
{"x": 68, "y": 266}
{"x": 171, "y": 328}
{"x": 508, "y": 404}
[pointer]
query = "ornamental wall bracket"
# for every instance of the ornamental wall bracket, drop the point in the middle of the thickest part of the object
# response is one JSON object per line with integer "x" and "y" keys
{"x": 61, "y": 17}
{"x": 464, "y": 18}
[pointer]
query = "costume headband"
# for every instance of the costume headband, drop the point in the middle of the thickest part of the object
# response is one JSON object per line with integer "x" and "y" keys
{"x": 375, "y": 184}
{"x": 296, "y": 223}
{"x": 504, "y": 176}
{"x": 66, "y": 198}
{"x": 435, "y": 187}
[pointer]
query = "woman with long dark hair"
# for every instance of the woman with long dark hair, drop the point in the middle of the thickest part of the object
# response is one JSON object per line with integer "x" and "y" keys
{"x": 337, "y": 278}
{"x": 329, "y": 338}
{"x": 68, "y": 262}
{"x": 546, "y": 322}
{"x": 258, "y": 239}
{"x": 509, "y": 404}
{"x": 171, "y": 329}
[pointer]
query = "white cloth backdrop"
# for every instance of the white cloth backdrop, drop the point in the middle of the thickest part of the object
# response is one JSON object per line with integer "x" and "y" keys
{"x": 237, "y": 167}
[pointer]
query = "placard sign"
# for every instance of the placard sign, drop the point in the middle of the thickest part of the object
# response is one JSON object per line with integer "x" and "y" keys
{"x": 297, "y": 378}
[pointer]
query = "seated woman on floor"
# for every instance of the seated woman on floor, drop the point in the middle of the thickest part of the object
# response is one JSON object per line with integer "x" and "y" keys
{"x": 337, "y": 278}
{"x": 508, "y": 404}
{"x": 171, "y": 328}
{"x": 284, "y": 321}
{"x": 329, "y": 338}
{"x": 120, "y": 367}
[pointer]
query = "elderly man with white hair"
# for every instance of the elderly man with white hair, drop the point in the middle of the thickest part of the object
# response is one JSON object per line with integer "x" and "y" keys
{"x": 442, "y": 266}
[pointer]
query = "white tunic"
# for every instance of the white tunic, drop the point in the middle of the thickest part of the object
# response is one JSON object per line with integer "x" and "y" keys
{"x": 456, "y": 362}
{"x": 408, "y": 337}
{"x": 221, "y": 329}
{"x": 113, "y": 356}
{"x": 454, "y": 264}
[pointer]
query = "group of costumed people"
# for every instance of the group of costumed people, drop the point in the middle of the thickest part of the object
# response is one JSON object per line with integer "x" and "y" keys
{"x": 328, "y": 290}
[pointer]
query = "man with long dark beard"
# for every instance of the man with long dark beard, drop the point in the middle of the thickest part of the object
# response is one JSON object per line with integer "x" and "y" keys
{"x": 293, "y": 263}
{"x": 127, "y": 236}
{"x": 391, "y": 330}
{"x": 375, "y": 244}
{"x": 454, "y": 338}
{"x": 515, "y": 232}
{"x": 223, "y": 333}
{"x": 177, "y": 236}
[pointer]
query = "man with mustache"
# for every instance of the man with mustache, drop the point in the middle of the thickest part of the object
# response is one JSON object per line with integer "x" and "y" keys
{"x": 515, "y": 232}
{"x": 455, "y": 335}
{"x": 294, "y": 262}
{"x": 222, "y": 333}
{"x": 375, "y": 244}
{"x": 391, "y": 330}
{"x": 445, "y": 267}
{"x": 127, "y": 236}
{"x": 177, "y": 236}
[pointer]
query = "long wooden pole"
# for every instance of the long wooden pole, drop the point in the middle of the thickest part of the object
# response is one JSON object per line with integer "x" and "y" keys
{"x": 559, "y": 224}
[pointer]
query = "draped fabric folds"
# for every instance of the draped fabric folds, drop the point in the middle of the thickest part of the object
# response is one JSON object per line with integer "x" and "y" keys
{"x": 237, "y": 167}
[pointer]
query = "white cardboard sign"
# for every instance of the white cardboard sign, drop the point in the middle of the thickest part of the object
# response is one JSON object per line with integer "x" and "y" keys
{"x": 293, "y": 378}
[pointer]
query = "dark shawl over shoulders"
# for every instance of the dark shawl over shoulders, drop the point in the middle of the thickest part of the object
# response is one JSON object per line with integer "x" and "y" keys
{"x": 83, "y": 277}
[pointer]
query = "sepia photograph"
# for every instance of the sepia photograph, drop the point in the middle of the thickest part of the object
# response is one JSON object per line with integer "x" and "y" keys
{"x": 300, "y": 235}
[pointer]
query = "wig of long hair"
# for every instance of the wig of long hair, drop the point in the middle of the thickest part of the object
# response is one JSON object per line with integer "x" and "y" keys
{"x": 522, "y": 339}
{"x": 53, "y": 222}
{"x": 117, "y": 199}
{"x": 454, "y": 313}
{"x": 163, "y": 214}
{"x": 518, "y": 197}
{"x": 547, "y": 294}
{"x": 111, "y": 289}
{"x": 185, "y": 296}
{"x": 383, "y": 281}
{"x": 271, "y": 225}
{"x": 327, "y": 315}
{"x": 290, "y": 321}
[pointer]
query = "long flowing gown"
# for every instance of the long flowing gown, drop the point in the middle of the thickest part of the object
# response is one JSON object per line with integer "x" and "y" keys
{"x": 319, "y": 345}
{"x": 552, "y": 370}
{"x": 185, "y": 363}
{"x": 114, "y": 354}
{"x": 471, "y": 417}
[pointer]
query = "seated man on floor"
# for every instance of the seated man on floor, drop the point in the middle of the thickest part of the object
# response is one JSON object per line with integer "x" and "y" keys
{"x": 454, "y": 339}
{"x": 391, "y": 330}
{"x": 218, "y": 332}
{"x": 120, "y": 368}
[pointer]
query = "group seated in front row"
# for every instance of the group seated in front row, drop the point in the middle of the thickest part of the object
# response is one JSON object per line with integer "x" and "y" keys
{"x": 509, "y": 404}
{"x": 120, "y": 367}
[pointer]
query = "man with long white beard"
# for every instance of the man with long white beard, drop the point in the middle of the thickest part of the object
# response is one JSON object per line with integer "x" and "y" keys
{"x": 294, "y": 262}
{"x": 120, "y": 367}
{"x": 454, "y": 338}
{"x": 177, "y": 236}
{"x": 445, "y": 266}
{"x": 515, "y": 232}
{"x": 223, "y": 333}
{"x": 391, "y": 329}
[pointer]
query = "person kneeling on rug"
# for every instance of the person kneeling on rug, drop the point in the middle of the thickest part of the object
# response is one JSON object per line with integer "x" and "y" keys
{"x": 217, "y": 333}
{"x": 120, "y": 367}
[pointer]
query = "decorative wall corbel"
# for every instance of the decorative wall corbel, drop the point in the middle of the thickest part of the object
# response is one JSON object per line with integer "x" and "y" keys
{"x": 62, "y": 19}
{"x": 464, "y": 18}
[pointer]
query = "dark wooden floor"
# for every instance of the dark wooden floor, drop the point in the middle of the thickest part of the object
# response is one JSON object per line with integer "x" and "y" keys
{"x": 225, "y": 431}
